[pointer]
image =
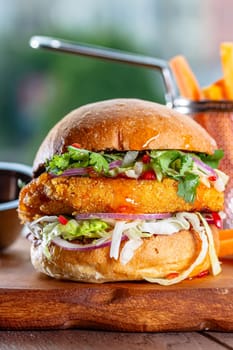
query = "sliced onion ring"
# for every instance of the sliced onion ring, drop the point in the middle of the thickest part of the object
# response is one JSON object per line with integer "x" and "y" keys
{"x": 115, "y": 164}
{"x": 75, "y": 172}
{"x": 123, "y": 216}
{"x": 100, "y": 243}
{"x": 205, "y": 167}
{"x": 62, "y": 243}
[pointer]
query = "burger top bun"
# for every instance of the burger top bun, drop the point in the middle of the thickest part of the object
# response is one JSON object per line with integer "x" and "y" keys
{"x": 122, "y": 125}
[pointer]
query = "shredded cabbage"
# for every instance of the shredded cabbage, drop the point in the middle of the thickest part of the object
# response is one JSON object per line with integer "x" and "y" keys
{"x": 116, "y": 239}
{"x": 128, "y": 250}
{"x": 221, "y": 181}
{"x": 215, "y": 264}
{"x": 169, "y": 226}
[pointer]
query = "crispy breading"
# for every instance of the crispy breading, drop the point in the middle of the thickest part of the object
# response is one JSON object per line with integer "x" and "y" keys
{"x": 69, "y": 195}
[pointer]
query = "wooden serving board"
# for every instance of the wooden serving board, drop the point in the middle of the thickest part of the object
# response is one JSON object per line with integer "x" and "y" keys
{"x": 29, "y": 300}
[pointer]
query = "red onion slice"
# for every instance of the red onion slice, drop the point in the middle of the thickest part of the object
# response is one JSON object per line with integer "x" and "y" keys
{"x": 75, "y": 172}
{"x": 115, "y": 164}
{"x": 123, "y": 216}
{"x": 100, "y": 243}
{"x": 62, "y": 243}
{"x": 86, "y": 171}
{"x": 204, "y": 166}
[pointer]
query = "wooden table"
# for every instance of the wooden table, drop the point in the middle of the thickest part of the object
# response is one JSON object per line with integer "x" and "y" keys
{"x": 97, "y": 340}
{"x": 18, "y": 319}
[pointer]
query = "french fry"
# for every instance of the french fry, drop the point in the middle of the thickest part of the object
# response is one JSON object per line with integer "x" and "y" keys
{"x": 215, "y": 91}
{"x": 225, "y": 234}
{"x": 186, "y": 81}
{"x": 226, "y": 53}
{"x": 226, "y": 243}
{"x": 226, "y": 248}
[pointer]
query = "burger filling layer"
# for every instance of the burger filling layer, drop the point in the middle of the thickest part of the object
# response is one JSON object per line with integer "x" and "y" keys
{"x": 104, "y": 193}
{"x": 188, "y": 169}
{"x": 96, "y": 231}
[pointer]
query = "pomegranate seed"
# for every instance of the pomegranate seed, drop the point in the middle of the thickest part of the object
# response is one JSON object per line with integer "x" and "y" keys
{"x": 146, "y": 159}
{"x": 148, "y": 175}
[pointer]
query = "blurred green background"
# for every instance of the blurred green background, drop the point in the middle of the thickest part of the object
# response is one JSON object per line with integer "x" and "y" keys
{"x": 39, "y": 87}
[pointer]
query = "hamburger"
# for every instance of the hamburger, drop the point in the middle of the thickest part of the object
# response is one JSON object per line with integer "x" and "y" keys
{"x": 125, "y": 190}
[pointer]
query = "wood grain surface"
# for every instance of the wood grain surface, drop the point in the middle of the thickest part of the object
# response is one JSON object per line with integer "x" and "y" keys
{"x": 29, "y": 300}
{"x": 89, "y": 340}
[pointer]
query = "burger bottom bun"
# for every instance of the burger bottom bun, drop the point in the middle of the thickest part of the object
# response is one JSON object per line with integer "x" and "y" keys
{"x": 158, "y": 256}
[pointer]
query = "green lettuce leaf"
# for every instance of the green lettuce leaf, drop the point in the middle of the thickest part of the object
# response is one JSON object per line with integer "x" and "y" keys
{"x": 92, "y": 228}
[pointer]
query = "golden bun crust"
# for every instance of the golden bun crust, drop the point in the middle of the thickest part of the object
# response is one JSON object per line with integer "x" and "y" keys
{"x": 124, "y": 124}
{"x": 158, "y": 256}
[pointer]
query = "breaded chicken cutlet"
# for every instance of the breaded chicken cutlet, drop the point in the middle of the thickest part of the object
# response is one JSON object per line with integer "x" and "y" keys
{"x": 47, "y": 195}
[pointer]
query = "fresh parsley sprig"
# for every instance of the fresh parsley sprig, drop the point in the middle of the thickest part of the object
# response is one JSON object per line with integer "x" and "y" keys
{"x": 80, "y": 158}
{"x": 178, "y": 166}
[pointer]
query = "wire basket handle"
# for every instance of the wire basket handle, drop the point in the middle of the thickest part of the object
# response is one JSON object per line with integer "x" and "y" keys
{"x": 60, "y": 45}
